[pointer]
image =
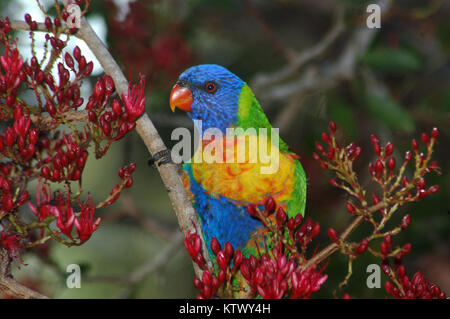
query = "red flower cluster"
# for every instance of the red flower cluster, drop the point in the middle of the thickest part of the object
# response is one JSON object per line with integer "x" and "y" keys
{"x": 416, "y": 288}
{"x": 33, "y": 147}
{"x": 228, "y": 262}
{"x": 396, "y": 190}
{"x": 270, "y": 277}
{"x": 11, "y": 243}
{"x": 127, "y": 181}
{"x": 274, "y": 272}
{"x": 11, "y": 67}
{"x": 193, "y": 244}
{"x": 66, "y": 159}
{"x": 112, "y": 124}
{"x": 5, "y": 27}
{"x": 60, "y": 208}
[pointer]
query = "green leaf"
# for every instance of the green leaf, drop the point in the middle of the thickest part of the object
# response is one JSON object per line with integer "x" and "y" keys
{"x": 393, "y": 61}
{"x": 388, "y": 112}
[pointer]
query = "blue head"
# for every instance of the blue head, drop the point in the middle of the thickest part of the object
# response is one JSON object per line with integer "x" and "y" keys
{"x": 209, "y": 93}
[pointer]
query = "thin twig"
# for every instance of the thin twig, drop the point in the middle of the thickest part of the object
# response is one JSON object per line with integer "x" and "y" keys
{"x": 285, "y": 52}
{"x": 265, "y": 80}
{"x": 326, "y": 75}
{"x": 153, "y": 264}
{"x": 141, "y": 272}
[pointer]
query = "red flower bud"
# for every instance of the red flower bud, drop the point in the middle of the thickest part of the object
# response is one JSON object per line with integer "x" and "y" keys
{"x": 331, "y": 152}
{"x": 388, "y": 240}
{"x": 332, "y": 126}
{"x": 88, "y": 69}
{"x": 388, "y": 150}
{"x": 28, "y": 18}
{"x": 326, "y": 138}
{"x": 421, "y": 183}
{"x": 109, "y": 85}
{"x": 391, "y": 164}
{"x": 406, "y": 249}
{"x": 405, "y": 181}
{"x": 106, "y": 128}
{"x": 45, "y": 172}
{"x": 332, "y": 234}
{"x": 99, "y": 90}
{"x": 388, "y": 286}
{"x": 362, "y": 246}
{"x": 298, "y": 220}
{"x": 270, "y": 206}
{"x": 319, "y": 147}
{"x": 333, "y": 182}
{"x": 384, "y": 249}
{"x": 375, "y": 199}
{"x": 221, "y": 260}
{"x": 48, "y": 23}
{"x": 425, "y": 138}
{"x": 379, "y": 166}
{"x": 50, "y": 107}
{"x": 377, "y": 149}
{"x": 281, "y": 216}
{"x": 252, "y": 210}
{"x": 316, "y": 230}
{"x": 56, "y": 174}
{"x": 77, "y": 53}
{"x": 374, "y": 139}
{"x": 435, "y": 132}
{"x": 215, "y": 246}
{"x": 414, "y": 144}
{"x": 69, "y": 60}
{"x": 238, "y": 258}
{"x": 406, "y": 220}
{"x": 228, "y": 250}
{"x": 350, "y": 208}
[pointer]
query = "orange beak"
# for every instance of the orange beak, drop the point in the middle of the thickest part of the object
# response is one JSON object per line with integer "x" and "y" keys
{"x": 181, "y": 97}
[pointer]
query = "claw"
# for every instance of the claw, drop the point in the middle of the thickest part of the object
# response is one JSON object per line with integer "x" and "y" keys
{"x": 160, "y": 158}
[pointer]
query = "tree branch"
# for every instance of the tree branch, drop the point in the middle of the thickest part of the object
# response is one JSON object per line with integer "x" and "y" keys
{"x": 11, "y": 287}
{"x": 264, "y": 80}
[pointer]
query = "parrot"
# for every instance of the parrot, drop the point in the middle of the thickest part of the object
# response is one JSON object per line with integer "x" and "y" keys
{"x": 221, "y": 191}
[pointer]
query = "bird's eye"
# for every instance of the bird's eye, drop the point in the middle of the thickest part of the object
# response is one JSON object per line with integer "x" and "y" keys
{"x": 211, "y": 87}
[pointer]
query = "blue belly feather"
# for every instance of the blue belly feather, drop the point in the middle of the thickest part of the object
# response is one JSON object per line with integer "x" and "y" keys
{"x": 221, "y": 217}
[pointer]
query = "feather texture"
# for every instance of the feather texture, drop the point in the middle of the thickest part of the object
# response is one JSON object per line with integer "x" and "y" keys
{"x": 222, "y": 190}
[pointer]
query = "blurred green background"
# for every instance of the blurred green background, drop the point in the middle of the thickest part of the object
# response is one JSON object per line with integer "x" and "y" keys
{"x": 393, "y": 82}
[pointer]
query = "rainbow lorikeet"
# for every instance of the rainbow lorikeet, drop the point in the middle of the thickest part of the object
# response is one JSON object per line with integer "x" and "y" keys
{"x": 221, "y": 192}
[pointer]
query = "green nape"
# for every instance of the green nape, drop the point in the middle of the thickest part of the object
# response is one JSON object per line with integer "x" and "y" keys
{"x": 251, "y": 115}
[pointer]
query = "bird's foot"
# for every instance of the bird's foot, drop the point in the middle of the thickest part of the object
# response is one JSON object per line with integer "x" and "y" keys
{"x": 160, "y": 158}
